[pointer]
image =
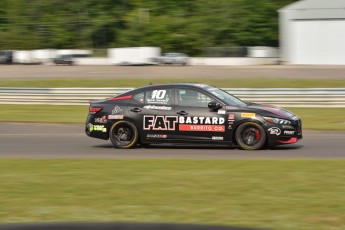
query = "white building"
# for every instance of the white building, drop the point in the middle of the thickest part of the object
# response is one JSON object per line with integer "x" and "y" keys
{"x": 313, "y": 32}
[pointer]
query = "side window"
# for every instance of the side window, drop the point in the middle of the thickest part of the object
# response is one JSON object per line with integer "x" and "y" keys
{"x": 193, "y": 98}
{"x": 139, "y": 97}
{"x": 158, "y": 96}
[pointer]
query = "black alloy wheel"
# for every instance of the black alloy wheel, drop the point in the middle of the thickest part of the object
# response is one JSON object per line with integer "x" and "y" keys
{"x": 250, "y": 136}
{"x": 123, "y": 135}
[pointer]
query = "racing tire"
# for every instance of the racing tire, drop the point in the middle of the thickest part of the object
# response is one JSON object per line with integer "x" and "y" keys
{"x": 123, "y": 135}
{"x": 250, "y": 136}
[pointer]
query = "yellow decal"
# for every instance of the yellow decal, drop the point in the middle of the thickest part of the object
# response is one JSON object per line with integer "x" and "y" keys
{"x": 248, "y": 115}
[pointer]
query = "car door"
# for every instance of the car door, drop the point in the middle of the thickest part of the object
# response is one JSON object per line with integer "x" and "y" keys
{"x": 197, "y": 122}
{"x": 153, "y": 114}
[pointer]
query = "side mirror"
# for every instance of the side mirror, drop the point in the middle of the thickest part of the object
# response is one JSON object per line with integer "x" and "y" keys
{"x": 214, "y": 105}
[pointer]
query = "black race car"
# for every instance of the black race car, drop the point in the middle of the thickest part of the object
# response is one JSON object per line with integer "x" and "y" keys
{"x": 189, "y": 113}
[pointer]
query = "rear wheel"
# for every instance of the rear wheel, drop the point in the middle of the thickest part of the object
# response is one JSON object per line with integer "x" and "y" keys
{"x": 250, "y": 136}
{"x": 123, "y": 135}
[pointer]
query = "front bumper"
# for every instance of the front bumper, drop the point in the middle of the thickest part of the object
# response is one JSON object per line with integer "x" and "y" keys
{"x": 284, "y": 134}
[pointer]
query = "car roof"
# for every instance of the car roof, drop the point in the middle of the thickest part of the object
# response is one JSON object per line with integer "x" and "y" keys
{"x": 173, "y": 85}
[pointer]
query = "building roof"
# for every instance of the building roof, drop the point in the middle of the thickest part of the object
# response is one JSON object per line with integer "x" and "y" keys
{"x": 315, "y": 4}
{"x": 315, "y": 9}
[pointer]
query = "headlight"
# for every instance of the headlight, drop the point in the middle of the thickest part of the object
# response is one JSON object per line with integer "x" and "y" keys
{"x": 277, "y": 121}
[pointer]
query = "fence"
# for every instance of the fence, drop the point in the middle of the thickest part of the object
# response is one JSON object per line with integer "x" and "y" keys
{"x": 284, "y": 97}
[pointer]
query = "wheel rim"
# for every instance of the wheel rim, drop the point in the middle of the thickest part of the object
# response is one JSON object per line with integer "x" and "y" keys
{"x": 251, "y": 136}
{"x": 123, "y": 134}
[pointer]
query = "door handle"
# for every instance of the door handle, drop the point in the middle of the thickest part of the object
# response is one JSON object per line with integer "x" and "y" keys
{"x": 136, "y": 110}
{"x": 182, "y": 113}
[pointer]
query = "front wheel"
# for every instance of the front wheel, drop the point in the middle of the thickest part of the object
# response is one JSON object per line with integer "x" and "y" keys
{"x": 123, "y": 135}
{"x": 250, "y": 136}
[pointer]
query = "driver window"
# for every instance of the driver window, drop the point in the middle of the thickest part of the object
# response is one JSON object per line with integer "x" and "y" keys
{"x": 189, "y": 97}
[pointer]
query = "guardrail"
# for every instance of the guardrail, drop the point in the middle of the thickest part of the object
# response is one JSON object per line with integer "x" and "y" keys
{"x": 284, "y": 97}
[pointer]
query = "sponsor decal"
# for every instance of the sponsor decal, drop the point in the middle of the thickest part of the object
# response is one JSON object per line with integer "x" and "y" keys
{"x": 274, "y": 131}
{"x": 97, "y": 128}
{"x": 221, "y": 111}
{"x": 185, "y": 123}
{"x": 217, "y": 138}
{"x": 202, "y": 128}
{"x": 158, "y": 97}
{"x": 202, "y": 120}
{"x": 248, "y": 115}
{"x": 159, "y": 136}
{"x": 157, "y": 107}
{"x": 287, "y": 127}
{"x": 286, "y": 132}
{"x": 231, "y": 120}
{"x": 160, "y": 122}
{"x": 116, "y": 110}
{"x": 101, "y": 119}
{"x": 115, "y": 116}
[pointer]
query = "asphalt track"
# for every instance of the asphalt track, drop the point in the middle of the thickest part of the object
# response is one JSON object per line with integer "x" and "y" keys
{"x": 51, "y": 141}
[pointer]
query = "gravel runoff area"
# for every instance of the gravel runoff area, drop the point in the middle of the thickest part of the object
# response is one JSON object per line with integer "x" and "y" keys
{"x": 198, "y": 72}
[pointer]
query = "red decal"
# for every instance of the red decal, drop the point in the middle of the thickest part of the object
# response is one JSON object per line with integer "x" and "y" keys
{"x": 120, "y": 98}
{"x": 290, "y": 141}
{"x": 202, "y": 128}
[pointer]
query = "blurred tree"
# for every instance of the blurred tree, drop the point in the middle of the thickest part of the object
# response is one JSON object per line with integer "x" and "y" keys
{"x": 174, "y": 25}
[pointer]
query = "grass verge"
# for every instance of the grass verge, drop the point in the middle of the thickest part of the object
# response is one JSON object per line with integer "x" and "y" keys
{"x": 224, "y": 83}
{"x": 291, "y": 194}
{"x": 313, "y": 118}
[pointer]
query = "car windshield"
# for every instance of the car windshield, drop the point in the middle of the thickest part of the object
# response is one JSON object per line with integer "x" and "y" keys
{"x": 226, "y": 97}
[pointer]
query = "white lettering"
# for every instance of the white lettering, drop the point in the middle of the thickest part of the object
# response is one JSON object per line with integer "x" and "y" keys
{"x": 286, "y": 132}
{"x": 158, "y": 94}
{"x": 160, "y": 122}
{"x": 195, "y": 120}
{"x": 207, "y": 120}
{"x": 188, "y": 120}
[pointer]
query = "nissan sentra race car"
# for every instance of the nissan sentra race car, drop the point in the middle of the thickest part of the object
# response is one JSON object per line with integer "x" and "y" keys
{"x": 189, "y": 113}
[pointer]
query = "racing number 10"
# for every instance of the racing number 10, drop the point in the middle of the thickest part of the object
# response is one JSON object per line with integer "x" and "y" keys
{"x": 158, "y": 94}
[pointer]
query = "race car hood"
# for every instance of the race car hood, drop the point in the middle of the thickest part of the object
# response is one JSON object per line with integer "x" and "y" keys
{"x": 273, "y": 111}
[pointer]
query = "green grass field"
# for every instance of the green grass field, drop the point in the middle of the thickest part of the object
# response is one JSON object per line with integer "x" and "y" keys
{"x": 313, "y": 118}
{"x": 224, "y": 83}
{"x": 289, "y": 194}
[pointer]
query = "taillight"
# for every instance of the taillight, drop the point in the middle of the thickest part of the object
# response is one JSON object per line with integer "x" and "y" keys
{"x": 93, "y": 110}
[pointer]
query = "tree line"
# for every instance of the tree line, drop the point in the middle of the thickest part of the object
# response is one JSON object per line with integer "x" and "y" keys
{"x": 187, "y": 26}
